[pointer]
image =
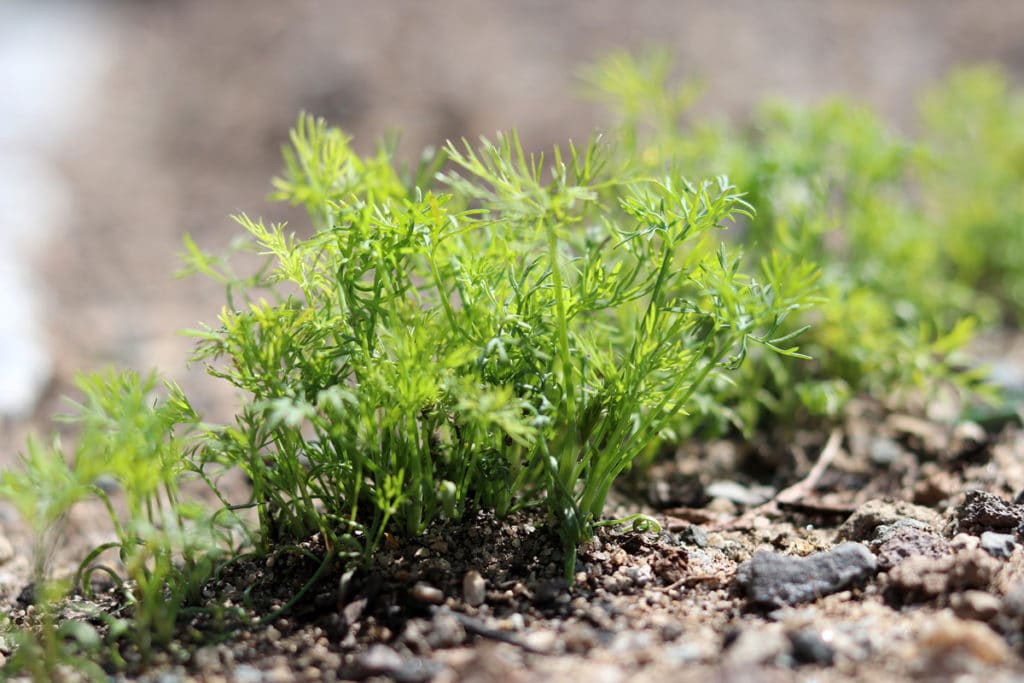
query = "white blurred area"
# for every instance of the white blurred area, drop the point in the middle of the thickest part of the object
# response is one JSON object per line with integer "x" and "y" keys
{"x": 52, "y": 56}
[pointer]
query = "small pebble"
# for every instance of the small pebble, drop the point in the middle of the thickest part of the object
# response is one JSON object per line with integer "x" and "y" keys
{"x": 549, "y": 591}
{"x": 541, "y": 641}
{"x": 474, "y": 588}
{"x": 976, "y": 605}
{"x": 998, "y": 545}
{"x": 1013, "y": 602}
{"x": 810, "y": 648}
{"x": 445, "y": 631}
{"x": 380, "y": 660}
{"x": 206, "y": 659}
{"x": 774, "y": 580}
{"x": 861, "y": 525}
{"x": 722, "y": 506}
{"x": 953, "y": 643}
{"x": 756, "y": 646}
{"x": 923, "y": 578}
{"x": 279, "y": 674}
{"x": 893, "y": 543}
{"x": 426, "y": 593}
{"x": 982, "y": 511}
{"x": 693, "y": 535}
{"x": 579, "y": 638}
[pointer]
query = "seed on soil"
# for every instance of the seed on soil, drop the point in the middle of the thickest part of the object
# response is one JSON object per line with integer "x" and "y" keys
{"x": 474, "y": 588}
{"x": 426, "y": 593}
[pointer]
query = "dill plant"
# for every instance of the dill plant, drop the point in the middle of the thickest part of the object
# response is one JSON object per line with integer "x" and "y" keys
{"x": 492, "y": 329}
{"x": 135, "y": 440}
{"x": 833, "y": 186}
{"x": 513, "y": 336}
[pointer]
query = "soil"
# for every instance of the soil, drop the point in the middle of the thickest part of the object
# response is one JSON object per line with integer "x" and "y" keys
{"x": 188, "y": 130}
{"x": 914, "y": 568}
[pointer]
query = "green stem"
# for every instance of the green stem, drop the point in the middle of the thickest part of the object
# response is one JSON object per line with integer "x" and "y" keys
{"x": 563, "y": 328}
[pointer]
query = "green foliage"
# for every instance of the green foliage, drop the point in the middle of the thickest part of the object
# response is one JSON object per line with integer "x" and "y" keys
{"x": 971, "y": 182}
{"x": 493, "y": 329}
{"x": 515, "y": 341}
{"x": 165, "y": 547}
{"x": 831, "y": 185}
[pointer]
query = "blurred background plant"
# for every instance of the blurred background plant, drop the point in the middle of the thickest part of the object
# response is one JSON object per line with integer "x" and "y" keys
{"x": 832, "y": 184}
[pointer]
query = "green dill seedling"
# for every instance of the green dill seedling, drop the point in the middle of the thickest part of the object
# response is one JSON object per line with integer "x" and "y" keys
{"x": 43, "y": 490}
{"x": 499, "y": 330}
{"x": 970, "y": 187}
{"x": 165, "y": 547}
{"x": 516, "y": 339}
{"x": 832, "y": 186}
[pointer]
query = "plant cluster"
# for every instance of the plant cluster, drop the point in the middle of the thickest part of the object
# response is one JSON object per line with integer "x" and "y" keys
{"x": 492, "y": 329}
{"x": 165, "y": 547}
{"x": 906, "y": 277}
{"x": 515, "y": 337}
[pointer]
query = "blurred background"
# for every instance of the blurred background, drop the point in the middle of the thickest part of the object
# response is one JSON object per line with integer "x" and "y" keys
{"x": 124, "y": 125}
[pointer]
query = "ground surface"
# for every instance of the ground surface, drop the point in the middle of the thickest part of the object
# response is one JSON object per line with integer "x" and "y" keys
{"x": 913, "y": 568}
{"x": 186, "y": 129}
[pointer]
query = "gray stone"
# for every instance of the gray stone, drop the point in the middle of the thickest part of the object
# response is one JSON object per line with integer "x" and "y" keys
{"x": 861, "y": 525}
{"x": 810, "y": 648}
{"x": 981, "y": 511}
{"x": 774, "y": 580}
{"x": 998, "y": 545}
{"x": 894, "y": 543}
{"x": 735, "y": 492}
